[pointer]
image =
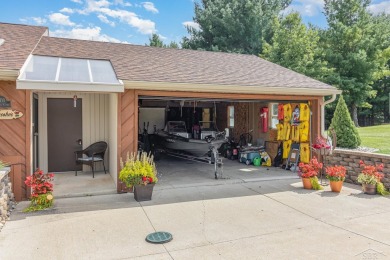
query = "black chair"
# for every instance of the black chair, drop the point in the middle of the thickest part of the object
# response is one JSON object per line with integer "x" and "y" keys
{"x": 95, "y": 153}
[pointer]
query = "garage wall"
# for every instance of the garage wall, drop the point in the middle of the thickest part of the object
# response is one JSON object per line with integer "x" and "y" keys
{"x": 15, "y": 140}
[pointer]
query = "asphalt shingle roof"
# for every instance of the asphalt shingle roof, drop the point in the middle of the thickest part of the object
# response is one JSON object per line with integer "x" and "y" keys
{"x": 151, "y": 64}
{"x": 19, "y": 42}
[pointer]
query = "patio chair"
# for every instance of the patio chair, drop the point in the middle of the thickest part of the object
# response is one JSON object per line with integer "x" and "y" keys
{"x": 95, "y": 153}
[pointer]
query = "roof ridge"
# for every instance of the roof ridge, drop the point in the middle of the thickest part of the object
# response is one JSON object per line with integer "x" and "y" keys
{"x": 154, "y": 47}
{"x": 27, "y": 25}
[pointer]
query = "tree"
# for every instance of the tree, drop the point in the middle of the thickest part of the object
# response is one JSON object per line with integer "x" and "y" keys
{"x": 352, "y": 49}
{"x": 155, "y": 41}
{"x": 295, "y": 46}
{"x": 232, "y": 25}
{"x": 346, "y": 131}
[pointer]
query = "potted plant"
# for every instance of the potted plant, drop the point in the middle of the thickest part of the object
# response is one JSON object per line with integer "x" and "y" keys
{"x": 336, "y": 176}
{"x": 139, "y": 171}
{"x": 370, "y": 178}
{"x": 308, "y": 172}
{"x": 321, "y": 146}
{"x": 42, "y": 188}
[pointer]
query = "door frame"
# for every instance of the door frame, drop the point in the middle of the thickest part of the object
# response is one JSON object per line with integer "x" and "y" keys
{"x": 42, "y": 123}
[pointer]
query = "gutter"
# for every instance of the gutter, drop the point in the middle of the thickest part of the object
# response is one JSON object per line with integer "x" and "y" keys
{"x": 8, "y": 74}
{"x": 333, "y": 98}
{"x": 216, "y": 88}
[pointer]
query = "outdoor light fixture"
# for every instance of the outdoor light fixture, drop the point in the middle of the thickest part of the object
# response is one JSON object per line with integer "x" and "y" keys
{"x": 74, "y": 101}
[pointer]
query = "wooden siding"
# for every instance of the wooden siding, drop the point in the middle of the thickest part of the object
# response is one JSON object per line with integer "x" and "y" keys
{"x": 127, "y": 127}
{"x": 14, "y": 137}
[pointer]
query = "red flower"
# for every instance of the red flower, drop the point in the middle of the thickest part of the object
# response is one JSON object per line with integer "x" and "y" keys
{"x": 373, "y": 170}
{"x": 311, "y": 169}
{"x": 40, "y": 183}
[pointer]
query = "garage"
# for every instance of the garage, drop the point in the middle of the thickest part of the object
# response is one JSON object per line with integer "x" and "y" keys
{"x": 205, "y": 91}
{"x": 250, "y": 121}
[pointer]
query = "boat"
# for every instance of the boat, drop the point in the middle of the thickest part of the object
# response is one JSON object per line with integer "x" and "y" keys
{"x": 175, "y": 137}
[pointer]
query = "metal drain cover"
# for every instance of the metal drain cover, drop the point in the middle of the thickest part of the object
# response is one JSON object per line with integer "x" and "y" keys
{"x": 159, "y": 237}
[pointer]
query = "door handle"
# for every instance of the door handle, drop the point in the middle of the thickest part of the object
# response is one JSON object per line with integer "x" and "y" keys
{"x": 79, "y": 141}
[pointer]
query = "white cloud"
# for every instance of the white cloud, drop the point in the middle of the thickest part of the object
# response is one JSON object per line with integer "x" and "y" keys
{"x": 102, "y": 7}
{"x": 104, "y": 19}
{"x": 121, "y": 2}
{"x": 149, "y": 6}
{"x": 380, "y": 7}
{"x": 306, "y": 7}
{"x": 77, "y": 1}
{"x": 88, "y": 33}
{"x": 61, "y": 19}
{"x": 162, "y": 37}
{"x": 39, "y": 20}
{"x": 192, "y": 24}
{"x": 67, "y": 10}
{"x": 34, "y": 20}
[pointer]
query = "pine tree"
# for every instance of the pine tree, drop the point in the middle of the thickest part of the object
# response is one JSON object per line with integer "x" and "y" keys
{"x": 346, "y": 131}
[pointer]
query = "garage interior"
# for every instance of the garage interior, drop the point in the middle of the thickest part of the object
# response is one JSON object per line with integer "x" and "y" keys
{"x": 238, "y": 116}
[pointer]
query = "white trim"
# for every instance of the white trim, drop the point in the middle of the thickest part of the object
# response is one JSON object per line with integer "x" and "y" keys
{"x": 169, "y": 86}
{"x": 69, "y": 86}
{"x": 89, "y": 71}
{"x": 58, "y": 69}
{"x": 9, "y": 74}
{"x": 23, "y": 68}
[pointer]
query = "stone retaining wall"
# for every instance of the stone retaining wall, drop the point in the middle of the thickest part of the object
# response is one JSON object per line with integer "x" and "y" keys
{"x": 6, "y": 197}
{"x": 350, "y": 160}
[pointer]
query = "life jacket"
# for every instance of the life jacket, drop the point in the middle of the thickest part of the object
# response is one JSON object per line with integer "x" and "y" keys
{"x": 280, "y": 112}
{"x": 279, "y": 136}
{"x": 304, "y": 112}
{"x": 287, "y": 112}
{"x": 286, "y": 148}
{"x": 304, "y": 131}
{"x": 305, "y": 152}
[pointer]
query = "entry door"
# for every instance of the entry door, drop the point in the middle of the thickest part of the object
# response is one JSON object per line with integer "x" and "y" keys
{"x": 64, "y": 133}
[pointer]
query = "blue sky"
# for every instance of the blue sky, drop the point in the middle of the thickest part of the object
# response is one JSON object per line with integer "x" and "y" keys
{"x": 130, "y": 21}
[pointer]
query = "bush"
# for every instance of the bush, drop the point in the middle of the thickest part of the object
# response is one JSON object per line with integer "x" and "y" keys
{"x": 346, "y": 131}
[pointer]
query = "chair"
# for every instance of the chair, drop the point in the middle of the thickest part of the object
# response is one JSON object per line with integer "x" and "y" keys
{"x": 95, "y": 153}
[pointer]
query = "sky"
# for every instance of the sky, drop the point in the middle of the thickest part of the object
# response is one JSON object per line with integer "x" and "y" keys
{"x": 131, "y": 21}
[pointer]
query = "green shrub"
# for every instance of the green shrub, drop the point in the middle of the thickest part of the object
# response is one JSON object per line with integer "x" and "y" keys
{"x": 346, "y": 131}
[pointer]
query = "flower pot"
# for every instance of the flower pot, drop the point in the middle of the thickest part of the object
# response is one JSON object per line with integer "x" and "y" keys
{"x": 143, "y": 192}
{"x": 369, "y": 188}
{"x": 336, "y": 186}
{"x": 307, "y": 183}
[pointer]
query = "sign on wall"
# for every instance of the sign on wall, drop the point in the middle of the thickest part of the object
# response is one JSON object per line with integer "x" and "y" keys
{"x": 10, "y": 114}
{"x": 4, "y": 102}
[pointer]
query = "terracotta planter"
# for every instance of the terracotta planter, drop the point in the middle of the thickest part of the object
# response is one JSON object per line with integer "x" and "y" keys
{"x": 336, "y": 186}
{"x": 307, "y": 184}
{"x": 369, "y": 189}
{"x": 143, "y": 192}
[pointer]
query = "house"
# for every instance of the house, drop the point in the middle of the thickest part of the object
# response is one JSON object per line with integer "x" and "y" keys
{"x": 72, "y": 93}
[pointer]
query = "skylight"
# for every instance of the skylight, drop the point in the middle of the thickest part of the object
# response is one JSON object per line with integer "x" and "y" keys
{"x": 90, "y": 75}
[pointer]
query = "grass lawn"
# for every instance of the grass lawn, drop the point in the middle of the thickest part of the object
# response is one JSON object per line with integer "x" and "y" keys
{"x": 376, "y": 137}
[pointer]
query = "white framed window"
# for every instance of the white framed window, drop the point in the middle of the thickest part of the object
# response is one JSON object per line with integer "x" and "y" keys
{"x": 274, "y": 115}
{"x": 230, "y": 116}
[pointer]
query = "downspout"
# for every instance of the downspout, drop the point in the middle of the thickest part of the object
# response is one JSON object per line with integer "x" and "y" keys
{"x": 333, "y": 98}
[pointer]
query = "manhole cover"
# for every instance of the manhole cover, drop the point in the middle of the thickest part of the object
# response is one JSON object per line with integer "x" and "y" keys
{"x": 159, "y": 237}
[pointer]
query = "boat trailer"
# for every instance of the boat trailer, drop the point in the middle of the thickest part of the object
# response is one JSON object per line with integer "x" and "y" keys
{"x": 214, "y": 159}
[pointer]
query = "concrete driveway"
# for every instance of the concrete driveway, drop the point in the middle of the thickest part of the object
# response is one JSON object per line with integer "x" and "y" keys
{"x": 271, "y": 219}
